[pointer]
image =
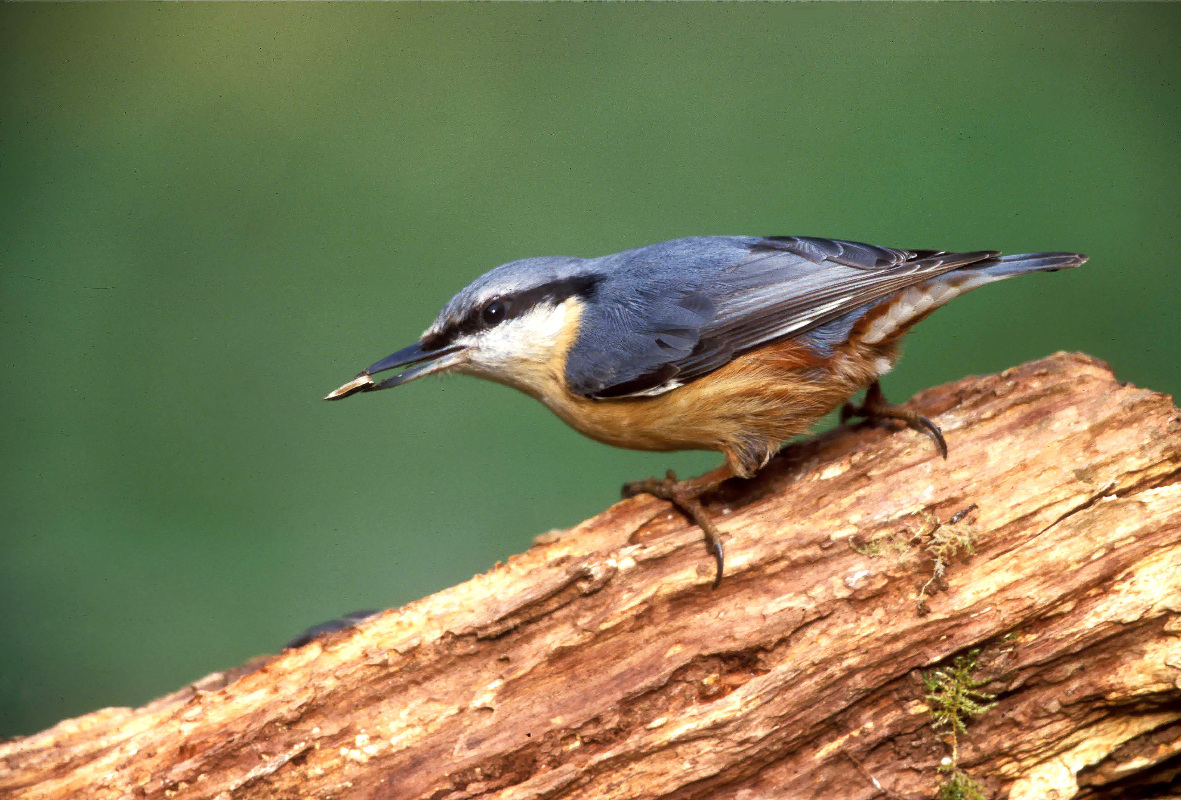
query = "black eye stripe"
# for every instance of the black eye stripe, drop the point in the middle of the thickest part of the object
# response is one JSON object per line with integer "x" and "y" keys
{"x": 514, "y": 305}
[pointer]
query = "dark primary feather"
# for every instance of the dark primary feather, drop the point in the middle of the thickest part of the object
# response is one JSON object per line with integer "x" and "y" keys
{"x": 678, "y": 310}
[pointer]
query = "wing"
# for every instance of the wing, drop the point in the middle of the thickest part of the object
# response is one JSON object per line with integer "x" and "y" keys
{"x": 667, "y": 314}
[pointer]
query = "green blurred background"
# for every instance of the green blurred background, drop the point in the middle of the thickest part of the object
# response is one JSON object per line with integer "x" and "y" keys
{"x": 214, "y": 214}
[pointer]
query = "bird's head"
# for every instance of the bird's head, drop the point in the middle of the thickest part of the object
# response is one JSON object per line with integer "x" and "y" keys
{"x": 502, "y": 326}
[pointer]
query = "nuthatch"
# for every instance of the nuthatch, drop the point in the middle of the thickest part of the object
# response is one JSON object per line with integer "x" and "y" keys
{"x": 727, "y": 343}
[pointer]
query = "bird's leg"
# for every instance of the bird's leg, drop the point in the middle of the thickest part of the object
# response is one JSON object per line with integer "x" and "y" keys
{"x": 874, "y": 408}
{"x": 683, "y": 495}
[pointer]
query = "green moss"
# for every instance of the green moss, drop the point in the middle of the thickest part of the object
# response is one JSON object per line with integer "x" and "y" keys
{"x": 959, "y": 786}
{"x": 941, "y": 541}
{"x": 954, "y": 698}
{"x": 953, "y": 694}
{"x": 874, "y": 548}
{"x": 945, "y": 544}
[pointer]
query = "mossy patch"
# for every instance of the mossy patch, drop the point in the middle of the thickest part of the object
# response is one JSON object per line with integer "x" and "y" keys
{"x": 954, "y": 698}
{"x": 942, "y": 542}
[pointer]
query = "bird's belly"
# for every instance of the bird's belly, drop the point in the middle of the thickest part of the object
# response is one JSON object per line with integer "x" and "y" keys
{"x": 753, "y": 403}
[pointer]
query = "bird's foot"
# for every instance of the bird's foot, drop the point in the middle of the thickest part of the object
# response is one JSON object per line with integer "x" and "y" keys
{"x": 874, "y": 408}
{"x": 683, "y": 495}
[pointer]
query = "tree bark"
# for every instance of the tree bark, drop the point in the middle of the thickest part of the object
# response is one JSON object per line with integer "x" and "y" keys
{"x": 598, "y": 664}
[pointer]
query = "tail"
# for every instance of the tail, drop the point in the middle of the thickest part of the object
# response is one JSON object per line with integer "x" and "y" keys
{"x": 897, "y": 312}
{"x": 1008, "y": 266}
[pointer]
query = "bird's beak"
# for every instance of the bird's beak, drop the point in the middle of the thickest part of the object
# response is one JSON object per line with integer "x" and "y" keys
{"x": 427, "y": 361}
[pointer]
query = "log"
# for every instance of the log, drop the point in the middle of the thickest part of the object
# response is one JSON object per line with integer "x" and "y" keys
{"x": 598, "y": 664}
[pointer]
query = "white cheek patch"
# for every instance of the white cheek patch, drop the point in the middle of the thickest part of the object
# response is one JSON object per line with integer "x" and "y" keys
{"x": 918, "y": 300}
{"x": 528, "y": 339}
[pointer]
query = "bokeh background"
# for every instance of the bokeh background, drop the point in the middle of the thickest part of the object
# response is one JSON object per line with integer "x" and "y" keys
{"x": 211, "y": 215}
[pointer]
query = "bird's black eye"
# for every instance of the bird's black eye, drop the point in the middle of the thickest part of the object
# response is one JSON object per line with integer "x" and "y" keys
{"x": 494, "y": 312}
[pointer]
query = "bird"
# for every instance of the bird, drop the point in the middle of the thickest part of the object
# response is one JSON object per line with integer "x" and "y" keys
{"x": 734, "y": 344}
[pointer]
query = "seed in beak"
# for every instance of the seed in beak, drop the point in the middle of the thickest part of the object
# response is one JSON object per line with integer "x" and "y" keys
{"x": 357, "y": 384}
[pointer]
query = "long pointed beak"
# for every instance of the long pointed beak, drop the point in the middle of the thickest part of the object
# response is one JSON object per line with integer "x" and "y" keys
{"x": 428, "y": 361}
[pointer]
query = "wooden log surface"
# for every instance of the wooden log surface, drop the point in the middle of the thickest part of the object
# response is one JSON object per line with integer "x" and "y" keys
{"x": 598, "y": 664}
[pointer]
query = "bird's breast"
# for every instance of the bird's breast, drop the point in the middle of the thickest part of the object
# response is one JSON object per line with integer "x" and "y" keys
{"x": 749, "y": 405}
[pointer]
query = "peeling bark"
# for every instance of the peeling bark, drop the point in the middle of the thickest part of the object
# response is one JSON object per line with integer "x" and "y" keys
{"x": 599, "y": 664}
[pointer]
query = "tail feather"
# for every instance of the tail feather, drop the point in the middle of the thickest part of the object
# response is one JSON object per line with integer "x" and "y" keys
{"x": 894, "y": 314}
{"x": 1006, "y": 266}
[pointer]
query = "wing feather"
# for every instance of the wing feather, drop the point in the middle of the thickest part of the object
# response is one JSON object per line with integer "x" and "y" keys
{"x": 668, "y": 314}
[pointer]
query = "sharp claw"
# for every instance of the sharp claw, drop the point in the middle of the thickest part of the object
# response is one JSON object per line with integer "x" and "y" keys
{"x": 876, "y": 408}
{"x": 931, "y": 429}
{"x": 719, "y": 558}
{"x": 941, "y": 442}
